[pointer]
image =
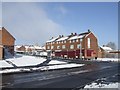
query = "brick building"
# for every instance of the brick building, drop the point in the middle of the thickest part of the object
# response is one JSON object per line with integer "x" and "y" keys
{"x": 84, "y": 45}
{"x": 6, "y": 43}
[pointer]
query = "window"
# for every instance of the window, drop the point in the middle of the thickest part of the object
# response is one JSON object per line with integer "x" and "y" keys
{"x": 48, "y": 47}
{"x": 88, "y": 42}
{"x": 58, "y": 47}
{"x": 77, "y": 40}
{"x": 71, "y": 46}
{"x": 52, "y": 47}
{"x": 63, "y": 46}
{"x": 78, "y": 46}
{"x": 80, "y": 39}
{"x": 70, "y": 41}
{"x": 64, "y": 41}
{"x": 74, "y": 41}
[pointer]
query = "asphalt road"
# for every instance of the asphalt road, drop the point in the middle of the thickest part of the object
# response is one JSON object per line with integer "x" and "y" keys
{"x": 66, "y": 78}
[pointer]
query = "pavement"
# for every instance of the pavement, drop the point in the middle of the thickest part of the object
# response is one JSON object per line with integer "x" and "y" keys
{"x": 74, "y": 78}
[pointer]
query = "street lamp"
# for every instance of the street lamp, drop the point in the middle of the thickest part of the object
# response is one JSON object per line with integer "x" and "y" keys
{"x": 80, "y": 48}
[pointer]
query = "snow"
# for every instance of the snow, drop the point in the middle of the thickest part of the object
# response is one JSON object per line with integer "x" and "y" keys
{"x": 56, "y": 62}
{"x": 106, "y": 48}
{"x": 52, "y": 39}
{"x": 43, "y": 68}
{"x": 100, "y": 85}
{"x": 76, "y": 37}
{"x": 62, "y": 39}
{"x": 3, "y": 64}
{"x": 108, "y": 59}
{"x": 22, "y": 61}
{"x": 43, "y": 53}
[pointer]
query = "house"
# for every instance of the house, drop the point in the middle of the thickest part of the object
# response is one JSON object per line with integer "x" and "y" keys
{"x": 6, "y": 44}
{"x": 29, "y": 49}
{"x": 83, "y": 45}
{"x": 104, "y": 52}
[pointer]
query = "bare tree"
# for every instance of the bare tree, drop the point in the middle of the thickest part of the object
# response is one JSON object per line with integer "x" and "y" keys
{"x": 112, "y": 45}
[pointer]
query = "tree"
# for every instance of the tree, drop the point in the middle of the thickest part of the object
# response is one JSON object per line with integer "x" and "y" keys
{"x": 112, "y": 45}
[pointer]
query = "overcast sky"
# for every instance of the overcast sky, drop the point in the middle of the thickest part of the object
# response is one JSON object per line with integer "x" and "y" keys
{"x": 32, "y": 23}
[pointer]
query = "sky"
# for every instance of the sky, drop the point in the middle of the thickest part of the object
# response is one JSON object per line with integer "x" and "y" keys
{"x": 32, "y": 23}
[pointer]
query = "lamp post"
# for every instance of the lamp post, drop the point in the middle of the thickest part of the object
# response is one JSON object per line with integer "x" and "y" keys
{"x": 80, "y": 48}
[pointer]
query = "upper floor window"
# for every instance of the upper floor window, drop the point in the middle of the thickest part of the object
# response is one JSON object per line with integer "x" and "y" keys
{"x": 65, "y": 41}
{"x": 52, "y": 47}
{"x": 88, "y": 39}
{"x": 58, "y": 47}
{"x": 48, "y": 47}
{"x": 73, "y": 40}
{"x": 77, "y": 40}
{"x": 78, "y": 46}
{"x": 71, "y": 46}
{"x": 63, "y": 46}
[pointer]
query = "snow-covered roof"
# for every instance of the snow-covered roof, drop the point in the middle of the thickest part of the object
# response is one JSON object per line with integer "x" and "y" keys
{"x": 62, "y": 39}
{"x": 52, "y": 40}
{"x": 76, "y": 37}
{"x": 106, "y": 48}
{"x": 37, "y": 47}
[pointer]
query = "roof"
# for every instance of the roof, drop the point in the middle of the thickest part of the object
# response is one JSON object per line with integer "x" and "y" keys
{"x": 52, "y": 40}
{"x": 76, "y": 37}
{"x": 70, "y": 37}
{"x": 62, "y": 39}
{"x": 106, "y": 48}
{"x": 7, "y": 32}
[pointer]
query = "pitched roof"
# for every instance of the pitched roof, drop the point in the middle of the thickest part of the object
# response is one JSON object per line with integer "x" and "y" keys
{"x": 69, "y": 37}
{"x": 7, "y": 32}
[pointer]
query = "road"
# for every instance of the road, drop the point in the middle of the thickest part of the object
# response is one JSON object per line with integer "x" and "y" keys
{"x": 66, "y": 78}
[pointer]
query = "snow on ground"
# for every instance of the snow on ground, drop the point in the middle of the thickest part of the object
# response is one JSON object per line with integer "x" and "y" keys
{"x": 23, "y": 60}
{"x": 110, "y": 85}
{"x": 26, "y": 61}
{"x": 56, "y": 62}
{"x": 53, "y": 67}
{"x": 108, "y": 59}
{"x": 3, "y": 64}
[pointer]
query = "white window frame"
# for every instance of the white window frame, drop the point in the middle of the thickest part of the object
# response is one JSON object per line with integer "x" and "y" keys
{"x": 72, "y": 46}
{"x": 78, "y": 46}
{"x": 63, "y": 46}
{"x": 88, "y": 41}
{"x": 58, "y": 47}
{"x": 48, "y": 47}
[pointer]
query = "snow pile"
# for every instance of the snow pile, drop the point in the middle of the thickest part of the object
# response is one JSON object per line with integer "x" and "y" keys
{"x": 43, "y": 68}
{"x": 56, "y": 62}
{"x": 3, "y": 64}
{"x": 21, "y": 61}
{"x": 108, "y": 59}
{"x": 110, "y": 85}
{"x": 27, "y": 61}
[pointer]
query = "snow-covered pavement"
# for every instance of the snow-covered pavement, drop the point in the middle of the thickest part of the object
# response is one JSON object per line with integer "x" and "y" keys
{"x": 108, "y": 82}
{"x": 23, "y": 60}
{"x": 108, "y": 59}
{"x": 100, "y": 85}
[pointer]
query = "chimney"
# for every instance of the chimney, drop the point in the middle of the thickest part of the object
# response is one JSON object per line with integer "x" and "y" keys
{"x": 62, "y": 36}
{"x": 75, "y": 33}
{"x": 89, "y": 30}
{"x": 59, "y": 36}
{"x": 72, "y": 34}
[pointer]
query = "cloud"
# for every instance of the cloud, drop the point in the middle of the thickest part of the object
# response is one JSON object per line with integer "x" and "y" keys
{"x": 63, "y": 10}
{"x": 29, "y": 23}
